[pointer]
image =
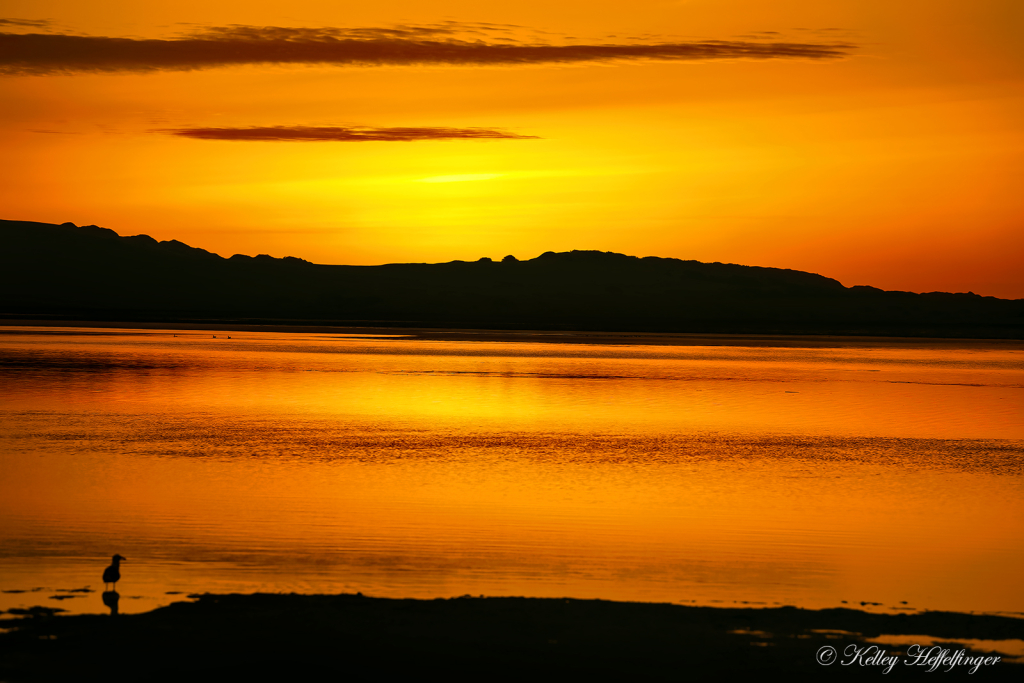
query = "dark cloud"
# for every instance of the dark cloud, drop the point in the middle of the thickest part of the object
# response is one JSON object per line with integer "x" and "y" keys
{"x": 444, "y": 31}
{"x": 443, "y": 44}
{"x": 26, "y": 23}
{"x": 342, "y": 134}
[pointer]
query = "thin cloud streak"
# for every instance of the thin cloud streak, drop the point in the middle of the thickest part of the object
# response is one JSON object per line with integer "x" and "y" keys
{"x": 42, "y": 54}
{"x": 27, "y": 23}
{"x": 342, "y": 134}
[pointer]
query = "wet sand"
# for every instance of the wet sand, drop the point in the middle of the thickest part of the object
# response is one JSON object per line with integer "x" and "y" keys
{"x": 351, "y": 637}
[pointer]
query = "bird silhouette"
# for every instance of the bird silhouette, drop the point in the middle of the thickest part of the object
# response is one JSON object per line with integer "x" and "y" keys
{"x": 112, "y": 574}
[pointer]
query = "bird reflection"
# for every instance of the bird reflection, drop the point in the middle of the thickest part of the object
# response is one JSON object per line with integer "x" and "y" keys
{"x": 112, "y": 574}
{"x": 110, "y": 599}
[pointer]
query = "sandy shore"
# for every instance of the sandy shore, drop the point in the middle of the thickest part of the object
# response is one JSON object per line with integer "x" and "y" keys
{"x": 346, "y": 637}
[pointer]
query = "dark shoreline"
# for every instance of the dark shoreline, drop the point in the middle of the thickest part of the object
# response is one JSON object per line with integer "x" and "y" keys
{"x": 523, "y": 336}
{"x": 302, "y": 637}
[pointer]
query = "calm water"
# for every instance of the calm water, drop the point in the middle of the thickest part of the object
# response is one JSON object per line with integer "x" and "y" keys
{"x": 397, "y": 467}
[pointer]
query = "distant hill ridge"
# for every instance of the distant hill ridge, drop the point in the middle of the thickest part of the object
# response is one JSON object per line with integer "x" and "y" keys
{"x": 93, "y": 273}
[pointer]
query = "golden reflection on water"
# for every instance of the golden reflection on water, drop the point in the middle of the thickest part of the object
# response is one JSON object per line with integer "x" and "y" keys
{"x": 397, "y": 467}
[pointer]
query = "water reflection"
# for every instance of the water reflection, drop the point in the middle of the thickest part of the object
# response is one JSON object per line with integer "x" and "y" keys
{"x": 111, "y": 600}
{"x": 408, "y": 468}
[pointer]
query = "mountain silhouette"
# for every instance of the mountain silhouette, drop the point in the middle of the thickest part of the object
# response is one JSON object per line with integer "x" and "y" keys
{"x": 92, "y": 273}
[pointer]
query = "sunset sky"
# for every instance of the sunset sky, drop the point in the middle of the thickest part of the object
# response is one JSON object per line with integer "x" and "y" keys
{"x": 874, "y": 141}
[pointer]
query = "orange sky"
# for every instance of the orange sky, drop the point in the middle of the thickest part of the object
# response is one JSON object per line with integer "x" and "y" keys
{"x": 896, "y": 161}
